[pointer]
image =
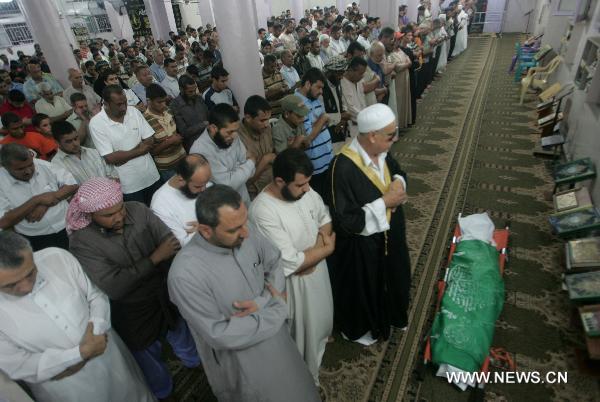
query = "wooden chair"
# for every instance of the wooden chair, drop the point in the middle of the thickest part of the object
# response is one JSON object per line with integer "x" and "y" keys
{"x": 537, "y": 77}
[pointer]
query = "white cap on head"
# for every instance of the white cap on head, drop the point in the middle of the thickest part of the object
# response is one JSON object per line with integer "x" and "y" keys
{"x": 375, "y": 117}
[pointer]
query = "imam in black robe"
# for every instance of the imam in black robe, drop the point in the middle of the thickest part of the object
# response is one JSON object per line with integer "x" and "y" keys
{"x": 370, "y": 288}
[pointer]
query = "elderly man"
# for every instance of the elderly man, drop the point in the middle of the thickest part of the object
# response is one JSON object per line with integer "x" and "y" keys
{"x": 288, "y": 71}
{"x": 36, "y": 76}
{"x": 189, "y": 111}
{"x": 255, "y": 133}
{"x": 297, "y": 221}
{"x": 314, "y": 56}
{"x": 33, "y": 196}
{"x": 157, "y": 67}
{"x": 126, "y": 251}
{"x": 175, "y": 202}
{"x": 220, "y": 144}
{"x": 228, "y": 283}
{"x": 52, "y": 105}
{"x": 124, "y": 139}
{"x": 56, "y": 332}
{"x": 83, "y": 163}
{"x": 78, "y": 85}
{"x": 370, "y": 265}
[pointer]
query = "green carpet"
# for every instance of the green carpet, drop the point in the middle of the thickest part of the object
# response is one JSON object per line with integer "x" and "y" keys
{"x": 469, "y": 152}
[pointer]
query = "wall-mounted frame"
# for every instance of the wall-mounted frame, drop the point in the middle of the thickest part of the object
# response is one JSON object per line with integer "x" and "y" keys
{"x": 565, "y": 7}
{"x": 585, "y": 9}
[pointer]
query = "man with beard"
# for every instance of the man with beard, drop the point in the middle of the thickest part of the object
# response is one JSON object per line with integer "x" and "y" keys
{"x": 175, "y": 202}
{"x": 228, "y": 284}
{"x": 220, "y": 144}
{"x": 332, "y": 99}
{"x": 126, "y": 251}
{"x": 189, "y": 111}
{"x": 295, "y": 218}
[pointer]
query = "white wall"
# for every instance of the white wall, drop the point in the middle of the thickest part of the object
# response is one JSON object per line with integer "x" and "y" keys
{"x": 584, "y": 118}
{"x": 515, "y": 20}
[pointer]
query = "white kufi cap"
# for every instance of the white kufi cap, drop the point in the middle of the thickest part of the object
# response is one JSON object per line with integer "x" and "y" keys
{"x": 375, "y": 117}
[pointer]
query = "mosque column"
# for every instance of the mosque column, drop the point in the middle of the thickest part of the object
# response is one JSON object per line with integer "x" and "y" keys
{"x": 263, "y": 13}
{"x": 47, "y": 29}
{"x": 297, "y": 9}
{"x": 435, "y": 9}
{"x": 239, "y": 48}
{"x": 206, "y": 12}
{"x": 341, "y": 5}
{"x": 363, "y": 5}
{"x": 162, "y": 19}
{"x": 121, "y": 26}
{"x": 386, "y": 10}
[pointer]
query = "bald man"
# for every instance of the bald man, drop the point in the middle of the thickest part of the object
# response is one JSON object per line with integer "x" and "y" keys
{"x": 78, "y": 85}
{"x": 175, "y": 202}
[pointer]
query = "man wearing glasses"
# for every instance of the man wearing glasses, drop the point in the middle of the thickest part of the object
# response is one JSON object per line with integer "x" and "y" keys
{"x": 370, "y": 268}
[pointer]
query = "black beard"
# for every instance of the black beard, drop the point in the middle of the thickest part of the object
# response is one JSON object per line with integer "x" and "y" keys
{"x": 220, "y": 141}
{"x": 185, "y": 190}
{"x": 286, "y": 194}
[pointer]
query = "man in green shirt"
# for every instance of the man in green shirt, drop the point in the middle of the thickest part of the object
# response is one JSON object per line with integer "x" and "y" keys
{"x": 288, "y": 131}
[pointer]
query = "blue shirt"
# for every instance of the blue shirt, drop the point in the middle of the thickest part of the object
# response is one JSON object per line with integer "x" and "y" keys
{"x": 17, "y": 85}
{"x": 320, "y": 150}
{"x": 158, "y": 72}
{"x": 140, "y": 91}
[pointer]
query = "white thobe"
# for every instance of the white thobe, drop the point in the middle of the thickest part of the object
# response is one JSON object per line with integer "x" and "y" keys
{"x": 293, "y": 227}
{"x": 40, "y": 335}
{"x": 461, "y": 34}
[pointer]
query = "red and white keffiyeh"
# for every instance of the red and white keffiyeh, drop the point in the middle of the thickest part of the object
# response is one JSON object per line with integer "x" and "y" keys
{"x": 94, "y": 195}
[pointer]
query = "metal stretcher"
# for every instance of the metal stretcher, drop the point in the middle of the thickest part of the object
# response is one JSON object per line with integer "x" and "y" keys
{"x": 498, "y": 356}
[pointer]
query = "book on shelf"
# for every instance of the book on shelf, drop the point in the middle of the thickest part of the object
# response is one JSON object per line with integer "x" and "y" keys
{"x": 577, "y": 170}
{"x": 584, "y": 287}
{"x": 552, "y": 140}
{"x": 583, "y": 254}
{"x": 571, "y": 199}
{"x": 581, "y": 220}
{"x": 548, "y": 119}
{"x": 544, "y": 105}
{"x": 590, "y": 318}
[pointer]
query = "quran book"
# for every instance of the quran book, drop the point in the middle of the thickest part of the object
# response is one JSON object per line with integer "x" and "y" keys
{"x": 548, "y": 119}
{"x": 575, "y": 222}
{"x": 584, "y": 253}
{"x": 590, "y": 318}
{"x": 572, "y": 199}
{"x": 584, "y": 287}
{"x": 570, "y": 172}
{"x": 551, "y": 140}
{"x": 544, "y": 105}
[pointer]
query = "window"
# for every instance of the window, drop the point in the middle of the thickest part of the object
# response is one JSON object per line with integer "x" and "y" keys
{"x": 18, "y": 33}
{"x": 9, "y": 8}
{"x": 565, "y": 7}
{"x": 103, "y": 23}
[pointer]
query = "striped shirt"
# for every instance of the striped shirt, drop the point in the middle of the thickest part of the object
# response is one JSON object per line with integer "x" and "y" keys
{"x": 320, "y": 150}
{"x": 274, "y": 81}
{"x": 91, "y": 164}
{"x": 164, "y": 127}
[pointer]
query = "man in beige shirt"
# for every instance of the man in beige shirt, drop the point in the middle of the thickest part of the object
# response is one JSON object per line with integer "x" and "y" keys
{"x": 255, "y": 133}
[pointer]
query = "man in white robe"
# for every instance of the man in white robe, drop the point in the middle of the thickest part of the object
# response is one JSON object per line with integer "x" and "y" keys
{"x": 55, "y": 331}
{"x": 461, "y": 34}
{"x": 295, "y": 218}
{"x": 228, "y": 284}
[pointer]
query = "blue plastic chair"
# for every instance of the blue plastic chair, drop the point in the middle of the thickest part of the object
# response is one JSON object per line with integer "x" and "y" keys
{"x": 524, "y": 60}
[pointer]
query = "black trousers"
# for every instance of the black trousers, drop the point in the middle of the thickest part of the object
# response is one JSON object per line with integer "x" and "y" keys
{"x": 60, "y": 240}
{"x": 144, "y": 195}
